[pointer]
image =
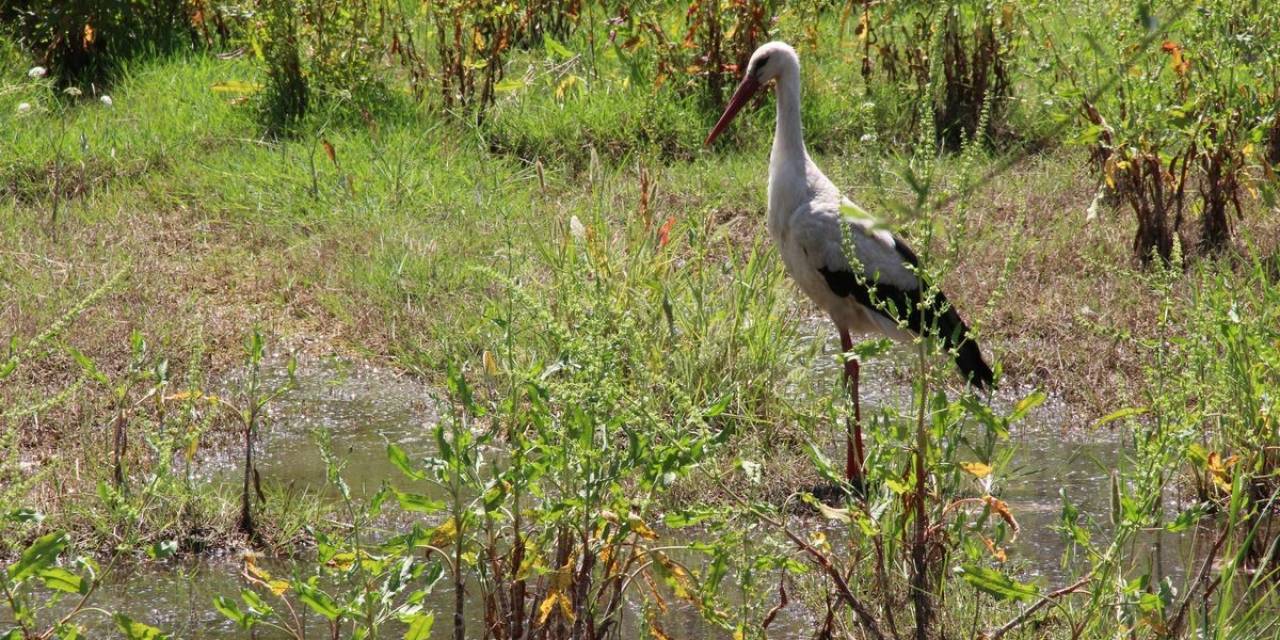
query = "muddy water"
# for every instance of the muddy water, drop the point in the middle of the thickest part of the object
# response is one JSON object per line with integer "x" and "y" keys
{"x": 364, "y": 408}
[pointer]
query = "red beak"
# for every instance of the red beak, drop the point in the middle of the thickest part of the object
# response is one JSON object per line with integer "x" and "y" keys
{"x": 741, "y": 96}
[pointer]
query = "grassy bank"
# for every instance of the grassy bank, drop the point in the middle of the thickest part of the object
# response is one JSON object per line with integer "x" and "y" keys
{"x": 596, "y": 296}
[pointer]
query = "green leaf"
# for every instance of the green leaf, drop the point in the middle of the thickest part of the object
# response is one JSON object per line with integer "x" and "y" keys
{"x": 228, "y": 608}
{"x": 25, "y": 515}
{"x": 509, "y": 85}
{"x": 998, "y": 584}
{"x": 63, "y": 580}
{"x": 417, "y": 503}
{"x": 69, "y": 632}
{"x": 1118, "y": 415}
{"x": 718, "y": 407}
{"x": 400, "y": 460}
{"x": 87, "y": 366}
{"x": 134, "y": 630}
{"x": 317, "y": 600}
{"x": 554, "y": 48}
{"x": 1033, "y": 400}
{"x": 682, "y": 519}
{"x": 162, "y": 549}
{"x": 419, "y": 626}
{"x": 257, "y": 606}
{"x": 39, "y": 556}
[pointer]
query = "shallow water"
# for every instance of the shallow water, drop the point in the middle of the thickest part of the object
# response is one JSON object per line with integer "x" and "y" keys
{"x": 363, "y": 408}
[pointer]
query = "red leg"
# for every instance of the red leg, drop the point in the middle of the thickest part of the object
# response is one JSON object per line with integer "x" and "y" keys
{"x": 853, "y": 448}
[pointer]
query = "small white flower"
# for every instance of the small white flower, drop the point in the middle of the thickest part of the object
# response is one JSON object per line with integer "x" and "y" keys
{"x": 576, "y": 229}
{"x": 106, "y": 100}
{"x": 868, "y": 137}
{"x": 37, "y": 72}
{"x": 24, "y": 107}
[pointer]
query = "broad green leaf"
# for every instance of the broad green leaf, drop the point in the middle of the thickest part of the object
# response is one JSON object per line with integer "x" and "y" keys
{"x": 162, "y": 549}
{"x": 25, "y": 515}
{"x": 400, "y": 460}
{"x": 417, "y": 503}
{"x": 257, "y": 606}
{"x": 63, "y": 580}
{"x": 134, "y": 630}
{"x": 998, "y": 584}
{"x": 318, "y": 601}
{"x": 39, "y": 556}
{"x": 232, "y": 611}
{"x": 419, "y": 627}
{"x": 554, "y": 47}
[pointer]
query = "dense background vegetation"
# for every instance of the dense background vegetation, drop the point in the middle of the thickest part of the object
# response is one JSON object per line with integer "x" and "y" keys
{"x": 510, "y": 201}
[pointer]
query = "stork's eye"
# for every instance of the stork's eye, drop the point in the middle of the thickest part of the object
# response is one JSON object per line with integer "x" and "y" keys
{"x": 759, "y": 65}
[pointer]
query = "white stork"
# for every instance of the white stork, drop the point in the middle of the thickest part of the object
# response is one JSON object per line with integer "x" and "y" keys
{"x": 805, "y": 216}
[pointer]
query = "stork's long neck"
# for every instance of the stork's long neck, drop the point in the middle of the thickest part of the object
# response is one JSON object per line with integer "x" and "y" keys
{"x": 788, "y": 180}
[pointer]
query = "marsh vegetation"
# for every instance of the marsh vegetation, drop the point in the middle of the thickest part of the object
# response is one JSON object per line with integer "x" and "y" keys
{"x": 600, "y": 409}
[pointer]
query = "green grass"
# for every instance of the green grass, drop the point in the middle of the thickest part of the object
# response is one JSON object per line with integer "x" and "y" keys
{"x": 587, "y": 239}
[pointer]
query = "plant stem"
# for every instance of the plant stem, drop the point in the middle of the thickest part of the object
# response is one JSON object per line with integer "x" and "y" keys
{"x": 919, "y": 555}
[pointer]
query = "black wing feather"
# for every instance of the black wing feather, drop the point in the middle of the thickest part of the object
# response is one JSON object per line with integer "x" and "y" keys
{"x": 896, "y": 304}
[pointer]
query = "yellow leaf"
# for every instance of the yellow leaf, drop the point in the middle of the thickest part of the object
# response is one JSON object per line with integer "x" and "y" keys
{"x": 236, "y": 86}
{"x": 1109, "y": 170}
{"x": 445, "y": 533}
{"x": 657, "y": 632}
{"x": 1002, "y": 509}
{"x": 251, "y": 567}
{"x": 566, "y": 609}
{"x": 996, "y": 552}
{"x": 548, "y": 605}
{"x": 343, "y": 561}
{"x": 832, "y": 513}
{"x": 278, "y": 586}
{"x": 569, "y": 82}
{"x": 979, "y": 470}
{"x": 490, "y": 363}
{"x": 1221, "y": 470}
{"x": 564, "y": 577}
{"x": 641, "y": 529}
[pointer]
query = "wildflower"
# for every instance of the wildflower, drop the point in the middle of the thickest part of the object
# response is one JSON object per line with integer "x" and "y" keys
{"x": 106, "y": 100}
{"x": 868, "y": 137}
{"x": 37, "y": 72}
{"x": 24, "y": 107}
{"x": 578, "y": 231}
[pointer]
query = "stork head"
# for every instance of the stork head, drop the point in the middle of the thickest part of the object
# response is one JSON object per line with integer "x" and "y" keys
{"x": 771, "y": 61}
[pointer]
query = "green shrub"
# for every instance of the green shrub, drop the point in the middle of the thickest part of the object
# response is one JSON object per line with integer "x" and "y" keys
{"x": 85, "y": 40}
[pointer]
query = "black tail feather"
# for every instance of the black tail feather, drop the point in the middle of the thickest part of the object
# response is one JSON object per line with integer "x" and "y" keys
{"x": 906, "y": 305}
{"x": 968, "y": 356}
